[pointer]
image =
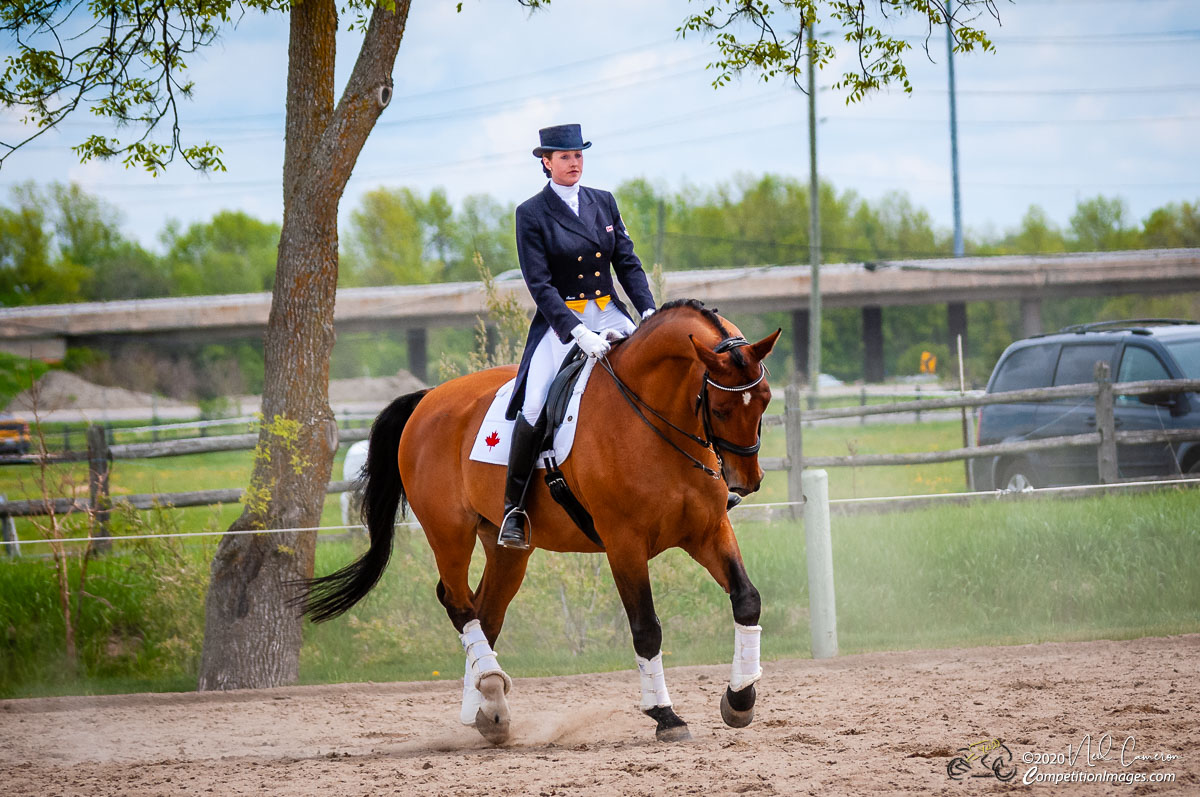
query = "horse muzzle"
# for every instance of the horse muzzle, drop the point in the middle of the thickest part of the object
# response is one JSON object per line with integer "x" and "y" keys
{"x": 737, "y": 483}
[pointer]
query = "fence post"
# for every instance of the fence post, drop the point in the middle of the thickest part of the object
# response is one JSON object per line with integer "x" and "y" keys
{"x": 1105, "y": 424}
{"x": 918, "y": 418}
{"x": 862, "y": 402}
{"x": 8, "y": 529}
{"x": 792, "y": 419}
{"x": 822, "y": 608}
{"x": 98, "y": 461}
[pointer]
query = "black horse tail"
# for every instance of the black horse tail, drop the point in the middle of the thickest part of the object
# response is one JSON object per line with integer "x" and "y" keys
{"x": 382, "y": 494}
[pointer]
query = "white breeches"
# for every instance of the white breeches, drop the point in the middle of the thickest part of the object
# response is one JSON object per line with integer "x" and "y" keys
{"x": 548, "y": 356}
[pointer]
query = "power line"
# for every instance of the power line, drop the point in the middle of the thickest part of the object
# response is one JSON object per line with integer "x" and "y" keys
{"x": 1022, "y": 122}
{"x": 802, "y": 246}
{"x": 1184, "y": 89}
{"x": 1085, "y": 39}
{"x": 590, "y": 88}
{"x": 555, "y": 70}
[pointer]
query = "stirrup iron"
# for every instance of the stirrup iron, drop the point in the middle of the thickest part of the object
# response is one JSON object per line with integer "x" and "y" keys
{"x": 526, "y": 529}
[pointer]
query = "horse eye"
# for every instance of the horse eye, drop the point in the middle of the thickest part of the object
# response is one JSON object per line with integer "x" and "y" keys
{"x": 720, "y": 416}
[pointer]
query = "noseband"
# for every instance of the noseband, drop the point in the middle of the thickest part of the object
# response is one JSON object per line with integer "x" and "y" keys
{"x": 710, "y": 440}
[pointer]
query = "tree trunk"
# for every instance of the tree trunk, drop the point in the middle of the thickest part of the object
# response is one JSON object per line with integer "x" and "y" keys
{"x": 252, "y": 636}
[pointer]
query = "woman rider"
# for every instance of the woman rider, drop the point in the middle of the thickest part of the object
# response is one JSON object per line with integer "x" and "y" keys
{"x": 570, "y": 238}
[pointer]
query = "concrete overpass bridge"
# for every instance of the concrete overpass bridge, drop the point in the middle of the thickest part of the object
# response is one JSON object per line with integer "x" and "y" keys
{"x": 46, "y": 331}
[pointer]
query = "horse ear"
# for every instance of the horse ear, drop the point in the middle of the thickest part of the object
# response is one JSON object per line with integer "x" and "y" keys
{"x": 764, "y": 346}
{"x": 711, "y": 360}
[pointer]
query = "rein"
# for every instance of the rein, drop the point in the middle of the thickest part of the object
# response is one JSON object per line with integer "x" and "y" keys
{"x": 710, "y": 440}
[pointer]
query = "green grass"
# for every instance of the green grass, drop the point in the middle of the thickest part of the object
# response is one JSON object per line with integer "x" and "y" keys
{"x": 1103, "y": 567}
{"x": 220, "y": 470}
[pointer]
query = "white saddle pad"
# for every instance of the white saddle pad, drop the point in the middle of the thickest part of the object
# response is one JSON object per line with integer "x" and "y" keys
{"x": 492, "y": 439}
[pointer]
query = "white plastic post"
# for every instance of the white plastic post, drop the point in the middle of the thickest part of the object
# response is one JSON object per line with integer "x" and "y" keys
{"x": 822, "y": 610}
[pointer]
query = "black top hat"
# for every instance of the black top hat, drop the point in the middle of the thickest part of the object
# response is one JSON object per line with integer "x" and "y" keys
{"x": 560, "y": 138}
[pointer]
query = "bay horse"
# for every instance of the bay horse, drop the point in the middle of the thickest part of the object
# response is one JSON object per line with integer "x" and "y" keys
{"x": 653, "y": 462}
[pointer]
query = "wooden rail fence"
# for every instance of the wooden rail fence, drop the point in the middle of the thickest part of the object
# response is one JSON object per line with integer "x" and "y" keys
{"x": 1105, "y": 438}
{"x": 101, "y": 453}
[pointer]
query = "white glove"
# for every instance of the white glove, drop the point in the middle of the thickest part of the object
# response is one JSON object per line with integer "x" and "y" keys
{"x": 649, "y": 312}
{"x": 592, "y": 344}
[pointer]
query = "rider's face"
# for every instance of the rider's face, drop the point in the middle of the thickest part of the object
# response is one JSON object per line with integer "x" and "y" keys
{"x": 565, "y": 167}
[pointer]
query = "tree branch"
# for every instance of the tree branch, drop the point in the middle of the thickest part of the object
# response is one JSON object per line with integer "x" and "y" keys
{"x": 367, "y": 93}
{"x": 879, "y": 56}
{"x": 127, "y": 67}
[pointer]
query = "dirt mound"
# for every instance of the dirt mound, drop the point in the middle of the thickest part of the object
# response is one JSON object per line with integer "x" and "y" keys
{"x": 60, "y": 390}
{"x": 381, "y": 388}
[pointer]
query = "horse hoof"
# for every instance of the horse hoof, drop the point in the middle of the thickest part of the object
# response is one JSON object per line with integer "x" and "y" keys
{"x": 491, "y": 720}
{"x": 670, "y": 727}
{"x": 737, "y": 708}
{"x": 492, "y": 727}
{"x": 677, "y": 733}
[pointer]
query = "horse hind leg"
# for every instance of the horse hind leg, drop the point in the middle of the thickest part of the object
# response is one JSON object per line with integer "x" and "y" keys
{"x": 479, "y": 620}
{"x": 485, "y": 684}
{"x": 503, "y": 573}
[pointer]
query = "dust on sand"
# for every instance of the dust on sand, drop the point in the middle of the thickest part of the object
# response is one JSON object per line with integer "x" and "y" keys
{"x": 878, "y": 723}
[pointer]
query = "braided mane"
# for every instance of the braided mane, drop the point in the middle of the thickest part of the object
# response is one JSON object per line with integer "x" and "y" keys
{"x": 698, "y": 306}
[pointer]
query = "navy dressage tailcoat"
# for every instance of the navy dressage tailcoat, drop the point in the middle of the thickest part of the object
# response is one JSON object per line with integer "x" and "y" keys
{"x": 568, "y": 257}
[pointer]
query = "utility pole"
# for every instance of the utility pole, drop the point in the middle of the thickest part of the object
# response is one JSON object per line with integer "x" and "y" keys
{"x": 814, "y": 233}
{"x": 958, "y": 232}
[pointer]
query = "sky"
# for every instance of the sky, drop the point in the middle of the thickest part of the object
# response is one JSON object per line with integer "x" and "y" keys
{"x": 1081, "y": 97}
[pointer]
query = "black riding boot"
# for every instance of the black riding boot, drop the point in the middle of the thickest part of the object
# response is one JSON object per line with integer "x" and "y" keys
{"x": 522, "y": 455}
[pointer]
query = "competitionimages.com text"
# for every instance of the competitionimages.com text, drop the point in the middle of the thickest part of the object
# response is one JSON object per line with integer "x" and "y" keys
{"x": 1033, "y": 775}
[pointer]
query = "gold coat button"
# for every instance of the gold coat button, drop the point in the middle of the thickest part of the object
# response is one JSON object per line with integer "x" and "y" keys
{"x": 581, "y": 258}
{"x": 582, "y": 296}
{"x": 597, "y": 293}
{"x": 597, "y": 273}
{"x": 597, "y": 254}
{"x": 580, "y": 276}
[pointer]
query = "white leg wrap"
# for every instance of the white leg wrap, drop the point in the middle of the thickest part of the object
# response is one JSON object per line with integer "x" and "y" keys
{"x": 481, "y": 659}
{"x": 746, "y": 669}
{"x": 654, "y": 683}
{"x": 472, "y": 698}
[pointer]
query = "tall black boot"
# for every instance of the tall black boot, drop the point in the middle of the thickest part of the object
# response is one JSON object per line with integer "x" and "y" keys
{"x": 522, "y": 455}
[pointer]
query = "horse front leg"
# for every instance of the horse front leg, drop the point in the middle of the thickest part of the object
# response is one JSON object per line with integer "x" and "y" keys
{"x": 485, "y": 684}
{"x": 719, "y": 554}
{"x": 633, "y": 584}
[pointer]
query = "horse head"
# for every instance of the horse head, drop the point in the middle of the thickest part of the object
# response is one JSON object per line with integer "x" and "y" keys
{"x": 731, "y": 401}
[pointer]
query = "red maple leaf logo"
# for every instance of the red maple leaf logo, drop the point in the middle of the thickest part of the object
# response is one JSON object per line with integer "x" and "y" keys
{"x": 492, "y": 440}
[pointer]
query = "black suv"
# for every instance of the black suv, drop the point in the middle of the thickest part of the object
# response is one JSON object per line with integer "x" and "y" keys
{"x": 1135, "y": 350}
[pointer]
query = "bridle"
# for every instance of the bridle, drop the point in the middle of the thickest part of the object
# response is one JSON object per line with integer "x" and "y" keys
{"x": 719, "y": 443}
{"x": 710, "y": 440}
